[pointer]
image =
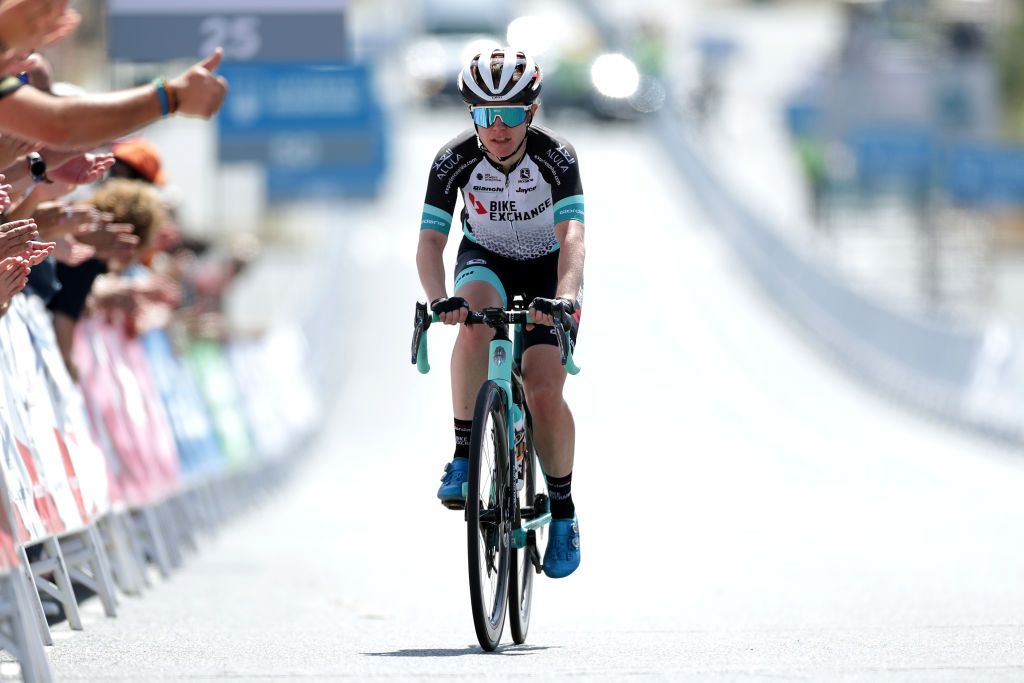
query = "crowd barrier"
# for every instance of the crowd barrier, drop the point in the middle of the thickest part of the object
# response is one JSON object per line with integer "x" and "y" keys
{"x": 121, "y": 473}
{"x": 974, "y": 378}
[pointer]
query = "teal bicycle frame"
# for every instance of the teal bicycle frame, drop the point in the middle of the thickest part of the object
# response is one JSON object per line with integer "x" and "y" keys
{"x": 503, "y": 356}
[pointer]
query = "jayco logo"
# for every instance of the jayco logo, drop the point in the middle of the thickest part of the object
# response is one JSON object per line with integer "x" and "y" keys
{"x": 446, "y": 162}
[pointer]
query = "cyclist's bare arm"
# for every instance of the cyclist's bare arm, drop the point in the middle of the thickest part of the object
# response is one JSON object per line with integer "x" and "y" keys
{"x": 570, "y": 265}
{"x": 430, "y": 263}
{"x": 570, "y": 258}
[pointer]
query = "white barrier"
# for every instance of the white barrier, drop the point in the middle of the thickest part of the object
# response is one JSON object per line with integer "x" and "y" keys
{"x": 98, "y": 483}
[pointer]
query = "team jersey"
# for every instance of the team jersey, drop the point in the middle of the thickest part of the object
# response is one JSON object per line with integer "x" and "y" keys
{"x": 512, "y": 215}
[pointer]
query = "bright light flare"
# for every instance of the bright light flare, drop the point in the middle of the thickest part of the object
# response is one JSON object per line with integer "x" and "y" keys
{"x": 532, "y": 34}
{"x": 615, "y": 75}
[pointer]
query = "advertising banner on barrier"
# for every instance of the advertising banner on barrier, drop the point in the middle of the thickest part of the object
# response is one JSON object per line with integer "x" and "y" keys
{"x": 33, "y": 424}
{"x": 86, "y": 464}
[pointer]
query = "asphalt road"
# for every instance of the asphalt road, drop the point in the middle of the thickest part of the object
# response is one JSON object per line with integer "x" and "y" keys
{"x": 748, "y": 512}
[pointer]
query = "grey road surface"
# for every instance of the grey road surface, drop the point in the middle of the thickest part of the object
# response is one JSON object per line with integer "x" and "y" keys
{"x": 747, "y": 511}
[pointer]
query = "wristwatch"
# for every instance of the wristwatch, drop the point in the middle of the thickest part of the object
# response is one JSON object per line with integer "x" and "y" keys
{"x": 37, "y": 167}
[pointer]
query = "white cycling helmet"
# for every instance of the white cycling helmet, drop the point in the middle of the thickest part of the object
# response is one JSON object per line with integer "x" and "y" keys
{"x": 503, "y": 76}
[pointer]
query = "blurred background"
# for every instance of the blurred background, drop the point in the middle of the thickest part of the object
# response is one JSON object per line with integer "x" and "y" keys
{"x": 878, "y": 141}
{"x": 811, "y": 214}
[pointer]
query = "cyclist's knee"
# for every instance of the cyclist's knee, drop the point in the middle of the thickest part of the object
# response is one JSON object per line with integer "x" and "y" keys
{"x": 474, "y": 336}
{"x": 544, "y": 397}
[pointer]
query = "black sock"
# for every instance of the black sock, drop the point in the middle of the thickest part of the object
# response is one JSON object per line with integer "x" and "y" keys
{"x": 463, "y": 429}
{"x": 560, "y": 493}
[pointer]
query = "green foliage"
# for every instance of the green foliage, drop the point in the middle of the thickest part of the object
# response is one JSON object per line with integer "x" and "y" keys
{"x": 1011, "y": 75}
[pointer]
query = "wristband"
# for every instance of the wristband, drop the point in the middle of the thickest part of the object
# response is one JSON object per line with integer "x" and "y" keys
{"x": 165, "y": 100}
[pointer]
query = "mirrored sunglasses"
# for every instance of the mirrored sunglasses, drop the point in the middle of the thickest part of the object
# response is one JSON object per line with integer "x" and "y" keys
{"x": 510, "y": 116}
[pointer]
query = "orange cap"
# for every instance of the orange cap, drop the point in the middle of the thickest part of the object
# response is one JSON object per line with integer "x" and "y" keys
{"x": 141, "y": 155}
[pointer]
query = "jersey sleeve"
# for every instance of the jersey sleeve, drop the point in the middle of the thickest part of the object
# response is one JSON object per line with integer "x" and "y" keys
{"x": 557, "y": 160}
{"x": 443, "y": 185}
{"x": 567, "y": 197}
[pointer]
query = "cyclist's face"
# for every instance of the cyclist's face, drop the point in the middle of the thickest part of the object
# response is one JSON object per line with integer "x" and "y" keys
{"x": 500, "y": 140}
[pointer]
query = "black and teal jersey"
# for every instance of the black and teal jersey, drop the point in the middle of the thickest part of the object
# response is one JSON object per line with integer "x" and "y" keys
{"x": 512, "y": 215}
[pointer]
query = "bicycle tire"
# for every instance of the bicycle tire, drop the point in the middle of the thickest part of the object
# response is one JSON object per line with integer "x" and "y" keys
{"x": 488, "y": 516}
{"x": 521, "y": 569}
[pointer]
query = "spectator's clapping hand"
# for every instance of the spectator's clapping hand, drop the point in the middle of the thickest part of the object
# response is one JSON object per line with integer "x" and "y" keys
{"x": 13, "y": 277}
{"x": 55, "y": 218}
{"x": 200, "y": 92}
{"x": 48, "y": 192}
{"x": 6, "y": 191}
{"x": 37, "y": 252}
{"x": 16, "y": 236}
{"x": 82, "y": 169}
{"x": 34, "y": 24}
{"x": 112, "y": 241}
{"x": 13, "y": 148}
{"x": 71, "y": 252}
{"x": 161, "y": 289}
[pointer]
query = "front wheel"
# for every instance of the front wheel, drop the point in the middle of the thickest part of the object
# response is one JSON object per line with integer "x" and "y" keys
{"x": 489, "y": 515}
{"x": 521, "y": 568}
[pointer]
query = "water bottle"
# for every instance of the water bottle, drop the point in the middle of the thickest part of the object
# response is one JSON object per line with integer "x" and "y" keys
{"x": 519, "y": 428}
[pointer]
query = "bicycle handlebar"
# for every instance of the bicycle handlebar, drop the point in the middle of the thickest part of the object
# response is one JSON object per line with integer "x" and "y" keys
{"x": 492, "y": 317}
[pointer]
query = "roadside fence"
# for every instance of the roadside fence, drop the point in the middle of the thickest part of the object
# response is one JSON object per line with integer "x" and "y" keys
{"x": 108, "y": 480}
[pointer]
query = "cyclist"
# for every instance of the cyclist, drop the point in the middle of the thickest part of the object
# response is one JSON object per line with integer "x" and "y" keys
{"x": 522, "y": 223}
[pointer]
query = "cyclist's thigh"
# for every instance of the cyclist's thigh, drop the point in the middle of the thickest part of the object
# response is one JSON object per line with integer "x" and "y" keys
{"x": 478, "y": 279}
{"x": 542, "y": 368}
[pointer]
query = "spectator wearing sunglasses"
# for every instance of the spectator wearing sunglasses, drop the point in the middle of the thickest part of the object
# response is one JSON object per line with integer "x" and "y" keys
{"x": 522, "y": 224}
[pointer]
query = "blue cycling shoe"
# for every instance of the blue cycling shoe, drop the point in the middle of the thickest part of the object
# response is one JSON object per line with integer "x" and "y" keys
{"x": 456, "y": 473}
{"x": 562, "y": 556}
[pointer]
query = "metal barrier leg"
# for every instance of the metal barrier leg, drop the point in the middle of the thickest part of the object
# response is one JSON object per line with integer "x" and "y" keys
{"x": 171, "y": 533}
{"x": 124, "y": 561}
{"x": 17, "y": 635}
{"x": 34, "y": 600}
{"x": 151, "y": 540}
{"x": 88, "y": 565}
{"x": 51, "y": 563}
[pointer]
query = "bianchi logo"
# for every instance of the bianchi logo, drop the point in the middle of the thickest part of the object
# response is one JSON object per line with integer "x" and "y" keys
{"x": 484, "y": 188}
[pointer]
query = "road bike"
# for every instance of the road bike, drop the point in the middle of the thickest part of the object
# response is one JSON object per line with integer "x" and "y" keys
{"x": 506, "y": 508}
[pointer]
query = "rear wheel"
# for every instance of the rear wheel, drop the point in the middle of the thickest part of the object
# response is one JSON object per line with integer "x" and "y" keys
{"x": 489, "y": 515}
{"x": 521, "y": 567}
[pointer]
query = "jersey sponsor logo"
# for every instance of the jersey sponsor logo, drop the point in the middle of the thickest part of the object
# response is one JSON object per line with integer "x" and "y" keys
{"x": 445, "y": 163}
{"x": 524, "y": 175}
{"x": 458, "y": 172}
{"x": 561, "y": 158}
{"x": 524, "y": 190}
{"x": 488, "y": 177}
{"x": 477, "y": 206}
{"x": 554, "y": 174}
{"x": 484, "y": 188}
{"x": 506, "y": 210}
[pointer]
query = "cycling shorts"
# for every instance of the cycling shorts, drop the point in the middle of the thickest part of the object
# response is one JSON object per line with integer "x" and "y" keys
{"x": 529, "y": 279}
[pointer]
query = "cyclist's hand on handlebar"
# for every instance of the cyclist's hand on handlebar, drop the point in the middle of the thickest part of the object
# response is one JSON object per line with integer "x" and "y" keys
{"x": 542, "y": 310}
{"x": 452, "y": 310}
